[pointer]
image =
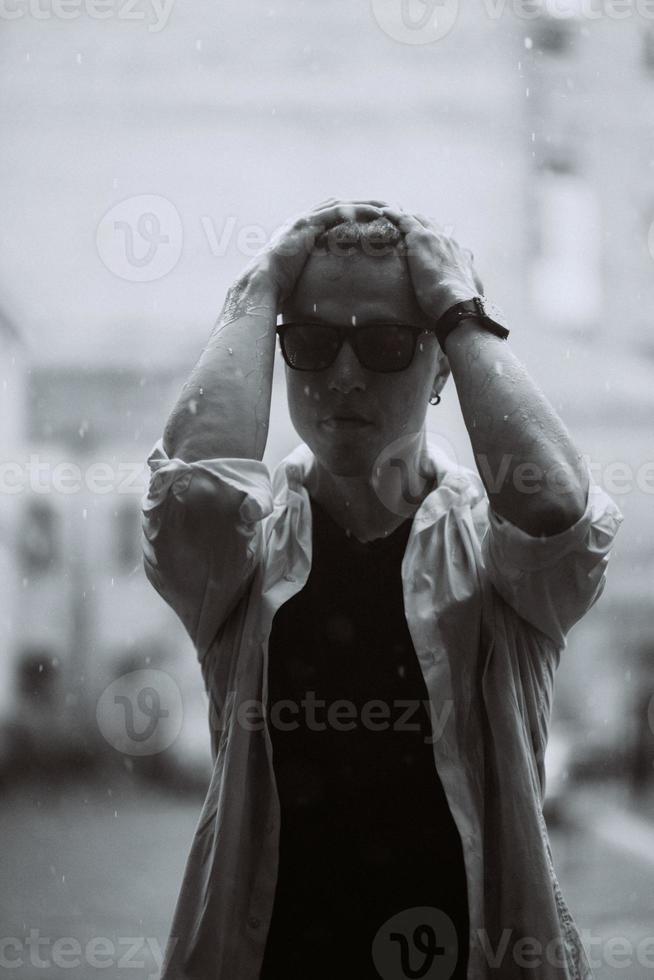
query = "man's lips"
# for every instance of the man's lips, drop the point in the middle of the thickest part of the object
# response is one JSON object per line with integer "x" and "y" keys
{"x": 344, "y": 420}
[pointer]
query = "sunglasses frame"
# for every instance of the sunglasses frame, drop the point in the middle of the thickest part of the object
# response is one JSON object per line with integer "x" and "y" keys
{"x": 349, "y": 333}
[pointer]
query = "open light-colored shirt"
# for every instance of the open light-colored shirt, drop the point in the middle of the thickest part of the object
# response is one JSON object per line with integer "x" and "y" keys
{"x": 488, "y": 608}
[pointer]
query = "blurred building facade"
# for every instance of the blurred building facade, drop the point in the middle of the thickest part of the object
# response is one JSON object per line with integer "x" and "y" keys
{"x": 85, "y": 613}
{"x": 12, "y": 406}
{"x": 508, "y": 127}
{"x": 591, "y": 83}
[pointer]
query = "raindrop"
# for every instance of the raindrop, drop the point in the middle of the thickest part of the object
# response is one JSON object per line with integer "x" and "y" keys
{"x": 506, "y": 417}
{"x": 421, "y": 346}
{"x": 230, "y": 350}
{"x": 315, "y": 307}
{"x": 354, "y": 321}
{"x": 529, "y": 43}
{"x": 79, "y": 59}
{"x": 84, "y": 513}
{"x": 307, "y": 390}
{"x": 198, "y": 45}
{"x": 193, "y": 406}
{"x": 202, "y": 391}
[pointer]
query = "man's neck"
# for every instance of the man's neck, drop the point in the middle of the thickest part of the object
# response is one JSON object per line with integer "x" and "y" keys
{"x": 373, "y": 506}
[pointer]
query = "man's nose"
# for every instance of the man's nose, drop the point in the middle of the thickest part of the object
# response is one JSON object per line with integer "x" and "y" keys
{"x": 346, "y": 373}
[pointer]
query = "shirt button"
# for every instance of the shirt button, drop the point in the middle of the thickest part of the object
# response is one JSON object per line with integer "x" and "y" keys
{"x": 289, "y": 578}
{"x": 254, "y": 922}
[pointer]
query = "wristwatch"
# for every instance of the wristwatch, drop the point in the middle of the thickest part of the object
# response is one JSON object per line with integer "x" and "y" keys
{"x": 489, "y": 316}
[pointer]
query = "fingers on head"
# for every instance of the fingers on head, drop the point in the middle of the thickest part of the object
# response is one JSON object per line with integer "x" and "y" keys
{"x": 404, "y": 221}
{"x": 333, "y": 214}
{"x": 338, "y": 202}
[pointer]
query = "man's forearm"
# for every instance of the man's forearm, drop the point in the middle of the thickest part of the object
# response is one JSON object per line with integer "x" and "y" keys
{"x": 223, "y": 409}
{"x": 531, "y": 469}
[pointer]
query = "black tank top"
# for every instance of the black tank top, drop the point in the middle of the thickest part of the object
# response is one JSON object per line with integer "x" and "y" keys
{"x": 366, "y": 831}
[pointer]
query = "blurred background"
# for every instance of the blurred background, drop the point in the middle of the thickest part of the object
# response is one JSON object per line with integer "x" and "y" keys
{"x": 149, "y": 149}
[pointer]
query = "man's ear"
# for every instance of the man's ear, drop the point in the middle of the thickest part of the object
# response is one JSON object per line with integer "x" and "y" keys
{"x": 443, "y": 371}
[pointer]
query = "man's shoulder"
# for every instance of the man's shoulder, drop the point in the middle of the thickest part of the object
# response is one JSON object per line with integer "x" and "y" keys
{"x": 292, "y": 471}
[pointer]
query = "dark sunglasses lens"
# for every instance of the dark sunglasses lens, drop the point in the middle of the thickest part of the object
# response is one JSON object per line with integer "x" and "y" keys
{"x": 309, "y": 347}
{"x": 385, "y": 347}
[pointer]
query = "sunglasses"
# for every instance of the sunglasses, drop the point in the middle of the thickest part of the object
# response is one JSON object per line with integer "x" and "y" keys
{"x": 383, "y": 347}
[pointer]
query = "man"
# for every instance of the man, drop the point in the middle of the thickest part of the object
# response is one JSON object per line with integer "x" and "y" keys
{"x": 378, "y": 629}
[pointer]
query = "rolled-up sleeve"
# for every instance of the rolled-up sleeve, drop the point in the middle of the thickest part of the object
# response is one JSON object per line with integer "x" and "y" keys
{"x": 202, "y": 535}
{"x": 553, "y": 581}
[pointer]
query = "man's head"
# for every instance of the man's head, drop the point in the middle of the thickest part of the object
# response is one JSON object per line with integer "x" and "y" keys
{"x": 358, "y": 274}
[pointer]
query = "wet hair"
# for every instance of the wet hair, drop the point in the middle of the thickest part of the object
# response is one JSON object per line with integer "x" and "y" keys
{"x": 376, "y": 238}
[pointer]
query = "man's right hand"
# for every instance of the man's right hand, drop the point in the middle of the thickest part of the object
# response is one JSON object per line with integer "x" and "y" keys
{"x": 281, "y": 261}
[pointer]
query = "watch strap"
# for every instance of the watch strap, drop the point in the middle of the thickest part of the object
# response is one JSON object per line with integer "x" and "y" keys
{"x": 474, "y": 308}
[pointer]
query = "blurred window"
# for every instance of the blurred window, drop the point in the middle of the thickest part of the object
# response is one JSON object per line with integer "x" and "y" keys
{"x": 127, "y": 535}
{"x": 40, "y": 543}
{"x": 553, "y": 36}
{"x": 552, "y": 23}
{"x": 648, "y": 49}
{"x": 566, "y": 269}
{"x": 37, "y": 677}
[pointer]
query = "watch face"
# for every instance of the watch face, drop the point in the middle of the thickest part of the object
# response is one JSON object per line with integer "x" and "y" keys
{"x": 493, "y": 312}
